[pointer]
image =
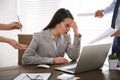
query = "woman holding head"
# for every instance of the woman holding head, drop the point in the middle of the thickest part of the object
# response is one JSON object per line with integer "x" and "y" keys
{"x": 49, "y": 45}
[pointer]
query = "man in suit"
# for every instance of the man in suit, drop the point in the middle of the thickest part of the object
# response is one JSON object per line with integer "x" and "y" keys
{"x": 114, "y": 6}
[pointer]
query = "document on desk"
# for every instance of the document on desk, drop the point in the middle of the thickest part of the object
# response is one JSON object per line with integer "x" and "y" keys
{"x": 33, "y": 76}
{"x": 107, "y": 33}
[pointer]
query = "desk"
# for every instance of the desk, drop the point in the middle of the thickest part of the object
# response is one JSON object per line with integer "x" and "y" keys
{"x": 9, "y": 73}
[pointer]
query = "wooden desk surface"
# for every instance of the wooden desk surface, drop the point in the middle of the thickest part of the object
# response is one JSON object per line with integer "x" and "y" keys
{"x": 9, "y": 73}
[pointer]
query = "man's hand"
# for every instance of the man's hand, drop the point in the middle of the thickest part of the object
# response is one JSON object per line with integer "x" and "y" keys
{"x": 116, "y": 33}
{"x": 99, "y": 13}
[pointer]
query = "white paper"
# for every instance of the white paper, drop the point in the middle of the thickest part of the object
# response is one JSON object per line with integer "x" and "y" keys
{"x": 65, "y": 76}
{"x": 86, "y": 14}
{"x": 110, "y": 31}
{"x": 23, "y": 76}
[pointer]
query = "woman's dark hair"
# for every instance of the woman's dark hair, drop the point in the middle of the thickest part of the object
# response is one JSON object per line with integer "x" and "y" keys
{"x": 58, "y": 17}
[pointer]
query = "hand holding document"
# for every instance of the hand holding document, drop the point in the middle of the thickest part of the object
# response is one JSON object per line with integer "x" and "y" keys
{"x": 109, "y": 32}
{"x": 86, "y": 14}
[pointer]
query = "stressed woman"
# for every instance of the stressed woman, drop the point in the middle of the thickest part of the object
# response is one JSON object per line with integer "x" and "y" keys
{"x": 49, "y": 45}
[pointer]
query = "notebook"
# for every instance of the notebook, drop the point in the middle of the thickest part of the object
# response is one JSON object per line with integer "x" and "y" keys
{"x": 91, "y": 57}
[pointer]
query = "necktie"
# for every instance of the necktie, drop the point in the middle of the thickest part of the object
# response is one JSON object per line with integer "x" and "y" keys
{"x": 115, "y": 13}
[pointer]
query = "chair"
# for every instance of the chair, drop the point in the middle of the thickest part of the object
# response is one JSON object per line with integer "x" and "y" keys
{"x": 23, "y": 39}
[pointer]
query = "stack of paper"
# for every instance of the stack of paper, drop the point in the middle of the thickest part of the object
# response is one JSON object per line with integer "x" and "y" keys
{"x": 65, "y": 76}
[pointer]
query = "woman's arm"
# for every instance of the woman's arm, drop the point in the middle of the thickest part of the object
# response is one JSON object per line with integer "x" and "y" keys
{"x": 73, "y": 50}
{"x": 32, "y": 56}
{"x": 10, "y": 26}
{"x": 13, "y": 43}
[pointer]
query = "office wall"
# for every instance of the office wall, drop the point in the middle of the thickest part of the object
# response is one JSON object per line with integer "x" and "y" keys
{"x": 8, "y": 13}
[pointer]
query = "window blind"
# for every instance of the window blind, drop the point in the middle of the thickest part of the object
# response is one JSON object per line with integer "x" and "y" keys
{"x": 36, "y": 14}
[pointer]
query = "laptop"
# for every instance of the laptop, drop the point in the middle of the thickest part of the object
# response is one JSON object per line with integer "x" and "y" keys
{"x": 92, "y": 57}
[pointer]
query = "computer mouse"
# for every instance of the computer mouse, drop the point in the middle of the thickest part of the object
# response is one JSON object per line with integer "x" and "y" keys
{"x": 43, "y": 66}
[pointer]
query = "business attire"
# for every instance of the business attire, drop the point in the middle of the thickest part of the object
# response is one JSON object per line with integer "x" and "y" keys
{"x": 42, "y": 49}
{"x": 115, "y": 24}
{"x": 110, "y": 8}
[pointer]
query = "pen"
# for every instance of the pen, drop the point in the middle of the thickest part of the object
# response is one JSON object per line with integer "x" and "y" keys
{"x": 19, "y": 21}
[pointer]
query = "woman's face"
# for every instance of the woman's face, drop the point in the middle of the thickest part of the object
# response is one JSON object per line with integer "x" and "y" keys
{"x": 64, "y": 26}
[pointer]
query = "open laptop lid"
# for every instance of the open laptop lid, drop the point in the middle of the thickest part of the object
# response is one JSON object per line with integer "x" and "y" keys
{"x": 92, "y": 57}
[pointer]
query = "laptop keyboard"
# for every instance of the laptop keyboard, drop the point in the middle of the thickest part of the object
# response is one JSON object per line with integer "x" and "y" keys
{"x": 71, "y": 69}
